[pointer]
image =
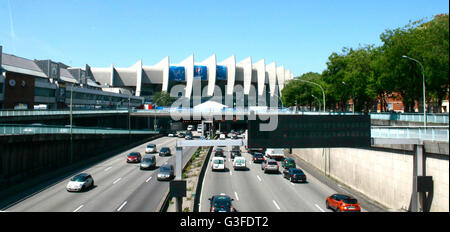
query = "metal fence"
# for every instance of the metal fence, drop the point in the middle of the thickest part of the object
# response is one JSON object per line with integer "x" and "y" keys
{"x": 15, "y": 129}
{"x": 435, "y": 133}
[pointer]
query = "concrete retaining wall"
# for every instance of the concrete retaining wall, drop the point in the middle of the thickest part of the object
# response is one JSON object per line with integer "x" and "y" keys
{"x": 384, "y": 176}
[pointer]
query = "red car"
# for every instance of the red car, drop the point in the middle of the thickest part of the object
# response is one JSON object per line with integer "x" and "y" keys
{"x": 342, "y": 203}
{"x": 134, "y": 157}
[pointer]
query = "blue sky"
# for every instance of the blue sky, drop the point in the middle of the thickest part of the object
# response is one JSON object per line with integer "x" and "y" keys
{"x": 297, "y": 34}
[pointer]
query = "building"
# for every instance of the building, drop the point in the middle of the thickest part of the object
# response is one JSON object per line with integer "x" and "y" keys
{"x": 29, "y": 84}
{"x": 243, "y": 83}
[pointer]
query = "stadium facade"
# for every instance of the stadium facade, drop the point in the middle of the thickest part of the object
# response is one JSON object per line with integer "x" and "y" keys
{"x": 28, "y": 83}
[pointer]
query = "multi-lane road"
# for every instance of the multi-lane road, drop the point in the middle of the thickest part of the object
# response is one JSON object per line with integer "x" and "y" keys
{"x": 254, "y": 191}
{"x": 119, "y": 186}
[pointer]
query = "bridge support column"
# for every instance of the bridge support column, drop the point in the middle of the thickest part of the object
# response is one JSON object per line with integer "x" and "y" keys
{"x": 418, "y": 198}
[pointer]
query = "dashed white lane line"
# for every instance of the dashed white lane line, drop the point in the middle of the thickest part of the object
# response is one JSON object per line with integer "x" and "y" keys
{"x": 259, "y": 178}
{"x": 237, "y": 197}
{"x": 107, "y": 169}
{"x": 117, "y": 180}
{"x": 79, "y": 207}
{"x": 148, "y": 180}
{"x": 319, "y": 208}
{"x": 121, "y": 206}
{"x": 276, "y": 205}
{"x": 231, "y": 173}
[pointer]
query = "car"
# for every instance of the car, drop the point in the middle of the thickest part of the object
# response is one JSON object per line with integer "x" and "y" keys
{"x": 222, "y": 136}
{"x": 235, "y": 148}
{"x": 252, "y": 151}
{"x": 165, "y": 172}
{"x": 134, "y": 157}
{"x": 288, "y": 163}
{"x": 80, "y": 183}
{"x": 239, "y": 163}
{"x": 269, "y": 165}
{"x": 258, "y": 158}
{"x": 165, "y": 151}
{"x": 181, "y": 135}
{"x": 188, "y": 137}
{"x": 171, "y": 134}
{"x": 218, "y": 163}
{"x": 221, "y": 203}
{"x": 190, "y": 127}
{"x": 235, "y": 153}
{"x": 219, "y": 152}
{"x": 234, "y": 136}
{"x": 199, "y": 128}
{"x": 151, "y": 148}
{"x": 294, "y": 175}
{"x": 148, "y": 162}
{"x": 342, "y": 203}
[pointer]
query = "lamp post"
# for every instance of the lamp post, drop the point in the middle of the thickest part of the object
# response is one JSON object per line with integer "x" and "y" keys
{"x": 71, "y": 135}
{"x": 353, "y": 99}
{"x": 312, "y": 95}
{"x": 323, "y": 92}
{"x": 423, "y": 83}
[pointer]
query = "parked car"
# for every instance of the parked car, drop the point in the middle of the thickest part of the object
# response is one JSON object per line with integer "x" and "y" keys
{"x": 342, "y": 203}
{"x": 148, "y": 162}
{"x": 239, "y": 163}
{"x": 80, "y": 183}
{"x": 218, "y": 163}
{"x": 258, "y": 158}
{"x": 288, "y": 163}
{"x": 151, "y": 148}
{"x": 222, "y": 136}
{"x": 166, "y": 172}
{"x": 134, "y": 157}
{"x": 221, "y": 203}
{"x": 294, "y": 175}
{"x": 269, "y": 165}
{"x": 165, "y": 151}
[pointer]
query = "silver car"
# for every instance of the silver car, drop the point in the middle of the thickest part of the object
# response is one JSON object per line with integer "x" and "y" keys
{"x": 165, "y": 172}
{"x": 80, "y": 183}
{"x": 269, "y": 165}
{"x": 148, "y": 162}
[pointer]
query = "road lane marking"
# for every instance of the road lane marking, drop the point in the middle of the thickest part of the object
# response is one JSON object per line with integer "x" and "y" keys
{"x": 276, "y": 205}
{"x": 292, "y": 183}
{"x": 231, "y": 173}
{"x": 107, "y": 169}
{"x": 237, "y": 198}
{"x": 123, "y": 204}
{"x": 259, "y": 178}
{"x": 148, "y": 180}
{"x": 320, "y": 208}
{"x": 117, "y": 180}
{"x": 79, "y": 207}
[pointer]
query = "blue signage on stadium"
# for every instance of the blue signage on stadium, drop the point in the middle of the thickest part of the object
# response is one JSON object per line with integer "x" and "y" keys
{"x": 200, "y": 73}
{"x": 221, "y": 72}
{"x": 177, "y": 74}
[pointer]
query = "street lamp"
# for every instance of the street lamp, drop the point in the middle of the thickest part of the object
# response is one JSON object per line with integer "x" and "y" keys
{"x": 71, "y": 135}
{"x": 423, "y": 83}
{"x": 323, "y": 92}
{"x": 316, "y": 99}
{"x": 353, "y": 99}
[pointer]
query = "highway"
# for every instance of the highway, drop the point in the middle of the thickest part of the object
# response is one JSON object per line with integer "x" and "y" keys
{"x": 118, "y": 186}
{"x": 254, "y": 191}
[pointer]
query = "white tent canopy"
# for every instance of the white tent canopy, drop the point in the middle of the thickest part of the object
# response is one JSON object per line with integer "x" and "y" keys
{"x": 210, "y": 106}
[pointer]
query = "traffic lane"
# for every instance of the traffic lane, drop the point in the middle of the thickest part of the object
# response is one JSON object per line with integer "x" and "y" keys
{"x": 56, "y": 197}
{"x": 243, "y": 186}
{"x": 121, "y": 189}
{"x": 148, "y": 196}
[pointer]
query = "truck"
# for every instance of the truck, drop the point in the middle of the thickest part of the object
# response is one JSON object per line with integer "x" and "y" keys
{"x": 275, "y": 153}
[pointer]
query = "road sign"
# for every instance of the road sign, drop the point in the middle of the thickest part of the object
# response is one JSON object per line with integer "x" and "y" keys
{"x": 312, "y": 131}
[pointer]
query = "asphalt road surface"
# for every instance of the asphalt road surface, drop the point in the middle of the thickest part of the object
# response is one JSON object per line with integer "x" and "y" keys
{"x": 118, "y": 186}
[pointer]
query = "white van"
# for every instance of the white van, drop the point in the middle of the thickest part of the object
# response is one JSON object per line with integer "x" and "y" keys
{"x": 239, "y": 163}
{"x": 218, "y": 163}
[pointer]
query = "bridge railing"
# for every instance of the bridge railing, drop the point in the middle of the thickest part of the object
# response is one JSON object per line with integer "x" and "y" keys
{"x": 19, "y": 129}
{"x": 15, "y": 113}
{"x": 431, "y": 133}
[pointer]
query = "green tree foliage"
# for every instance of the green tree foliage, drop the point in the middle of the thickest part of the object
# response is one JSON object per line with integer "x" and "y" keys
{"x": 162, "y": 99}
{"x": 296, "y": 91}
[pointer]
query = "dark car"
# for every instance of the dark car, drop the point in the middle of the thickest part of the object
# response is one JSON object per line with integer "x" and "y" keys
{"x": 288, "y": 163}
{"x": 258, "y": 158}
{"x": 165, "y": 151}
{"x": 342, "y": 203}
{"x": 294, "y": 175}
{"x": 253, "y": 151}
{"x": 181, "y": 135}
{"x": 235, "y": 153}
{"x": 219, "y": 152}
{"x": 165, "y": 172}
{"x": 134, "y": 157}
{"x": 221, "y": 203}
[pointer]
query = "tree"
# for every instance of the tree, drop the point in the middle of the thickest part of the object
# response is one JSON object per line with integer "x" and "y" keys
{"x": 300, "y": 93}
{"x": 162, "y": 99}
